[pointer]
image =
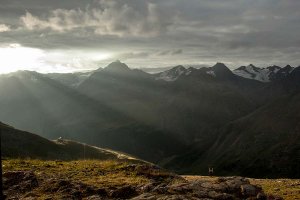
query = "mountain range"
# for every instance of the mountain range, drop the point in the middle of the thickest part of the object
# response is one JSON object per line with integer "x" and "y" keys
{"x": 268, "y": 74}
{"x": 242, "y": 122}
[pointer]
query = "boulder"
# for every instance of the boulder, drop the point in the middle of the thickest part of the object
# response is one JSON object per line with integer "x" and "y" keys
{"x": 248, "y": 190}
{"x": 19, "y": 181}
{"x": 261, "y": 196}
{"x": 123, "y": 192}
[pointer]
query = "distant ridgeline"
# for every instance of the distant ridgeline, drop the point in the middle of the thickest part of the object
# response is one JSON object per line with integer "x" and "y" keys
{"x": 241, "y": 122}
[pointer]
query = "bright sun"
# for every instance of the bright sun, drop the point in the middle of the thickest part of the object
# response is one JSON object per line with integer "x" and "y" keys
{"x": 14, "y": 57}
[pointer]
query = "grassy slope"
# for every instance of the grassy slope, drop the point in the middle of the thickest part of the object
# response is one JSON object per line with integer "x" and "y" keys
{"x": 21, "y": 144}
{"x": 105, "y": 175}
{"x": 263, "y": 144}
{"x": 289, "y": 189}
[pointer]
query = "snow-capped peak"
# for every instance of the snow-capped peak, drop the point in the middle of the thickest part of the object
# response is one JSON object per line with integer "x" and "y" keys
{"x": 253, "y": 72}
{"x": 262, "y": 74}
{"x": 172, "y": 74}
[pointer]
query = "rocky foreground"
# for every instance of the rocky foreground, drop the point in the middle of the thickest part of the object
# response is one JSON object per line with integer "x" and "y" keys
{"x": 95, "y": 180}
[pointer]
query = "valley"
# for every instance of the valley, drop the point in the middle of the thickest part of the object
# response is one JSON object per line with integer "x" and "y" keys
{"x": 37, "y": 168}
{"x": 195, "y": 118}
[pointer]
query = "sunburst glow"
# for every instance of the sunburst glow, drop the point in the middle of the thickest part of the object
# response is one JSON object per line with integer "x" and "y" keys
{"x": 16, "y": 57}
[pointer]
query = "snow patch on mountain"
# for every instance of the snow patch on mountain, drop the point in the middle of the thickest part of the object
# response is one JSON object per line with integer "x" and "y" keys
{"x": 259, "y": 74}
{"x": 211, "y": 72}
{"x": 172, "y": 74}
{"x": 268, "y": 74}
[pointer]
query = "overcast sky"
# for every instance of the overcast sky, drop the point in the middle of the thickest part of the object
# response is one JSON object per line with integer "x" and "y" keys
{"x": 71, "y": 35}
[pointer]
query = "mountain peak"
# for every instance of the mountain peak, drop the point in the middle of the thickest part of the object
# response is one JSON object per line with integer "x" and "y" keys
{"x": 274, "y": 68}
{"x": 248, "y": 67}
{"x": 286, "y": 70}
{"x": 172, "y": 74}
{"x": 221, "y": 71}
{"x": 219, "y": 65}
{"x": 288, "y": 67}
{"x": 240, "y": 68}
{"x": 253, "y": 67}
{"x": 116, "y": 66}
{"x": 178, "y": 70}
{"x": 220, "y": 68}
{"x": 178, "y": 67}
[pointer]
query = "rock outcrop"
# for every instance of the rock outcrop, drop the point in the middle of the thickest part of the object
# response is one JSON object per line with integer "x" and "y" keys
{"x": 22, "y": 184}
{"x": 221, "y": 188}
{"x": 18, "y": 182}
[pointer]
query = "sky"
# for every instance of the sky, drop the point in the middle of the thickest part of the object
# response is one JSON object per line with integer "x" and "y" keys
{"x": 79, "y": 35}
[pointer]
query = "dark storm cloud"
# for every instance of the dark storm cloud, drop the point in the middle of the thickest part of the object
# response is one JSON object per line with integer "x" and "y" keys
{"x": 152, "y": 31}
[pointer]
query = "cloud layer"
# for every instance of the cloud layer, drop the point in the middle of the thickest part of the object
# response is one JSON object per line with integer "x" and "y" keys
{"x": 4, "y": 28}
{"x": 148, "y": 33}
{"x": 108, "y": 18}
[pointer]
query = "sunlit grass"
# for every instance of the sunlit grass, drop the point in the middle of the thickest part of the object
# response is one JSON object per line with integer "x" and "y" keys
{"x": 289, "y": 189}
{"x": 92, "y": 172}
{"x": 107, "y": 175}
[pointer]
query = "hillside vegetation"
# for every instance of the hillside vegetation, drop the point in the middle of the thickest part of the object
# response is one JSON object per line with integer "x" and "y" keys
{"x": 77, "y": 179}
{"x": 22, "y": 144}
